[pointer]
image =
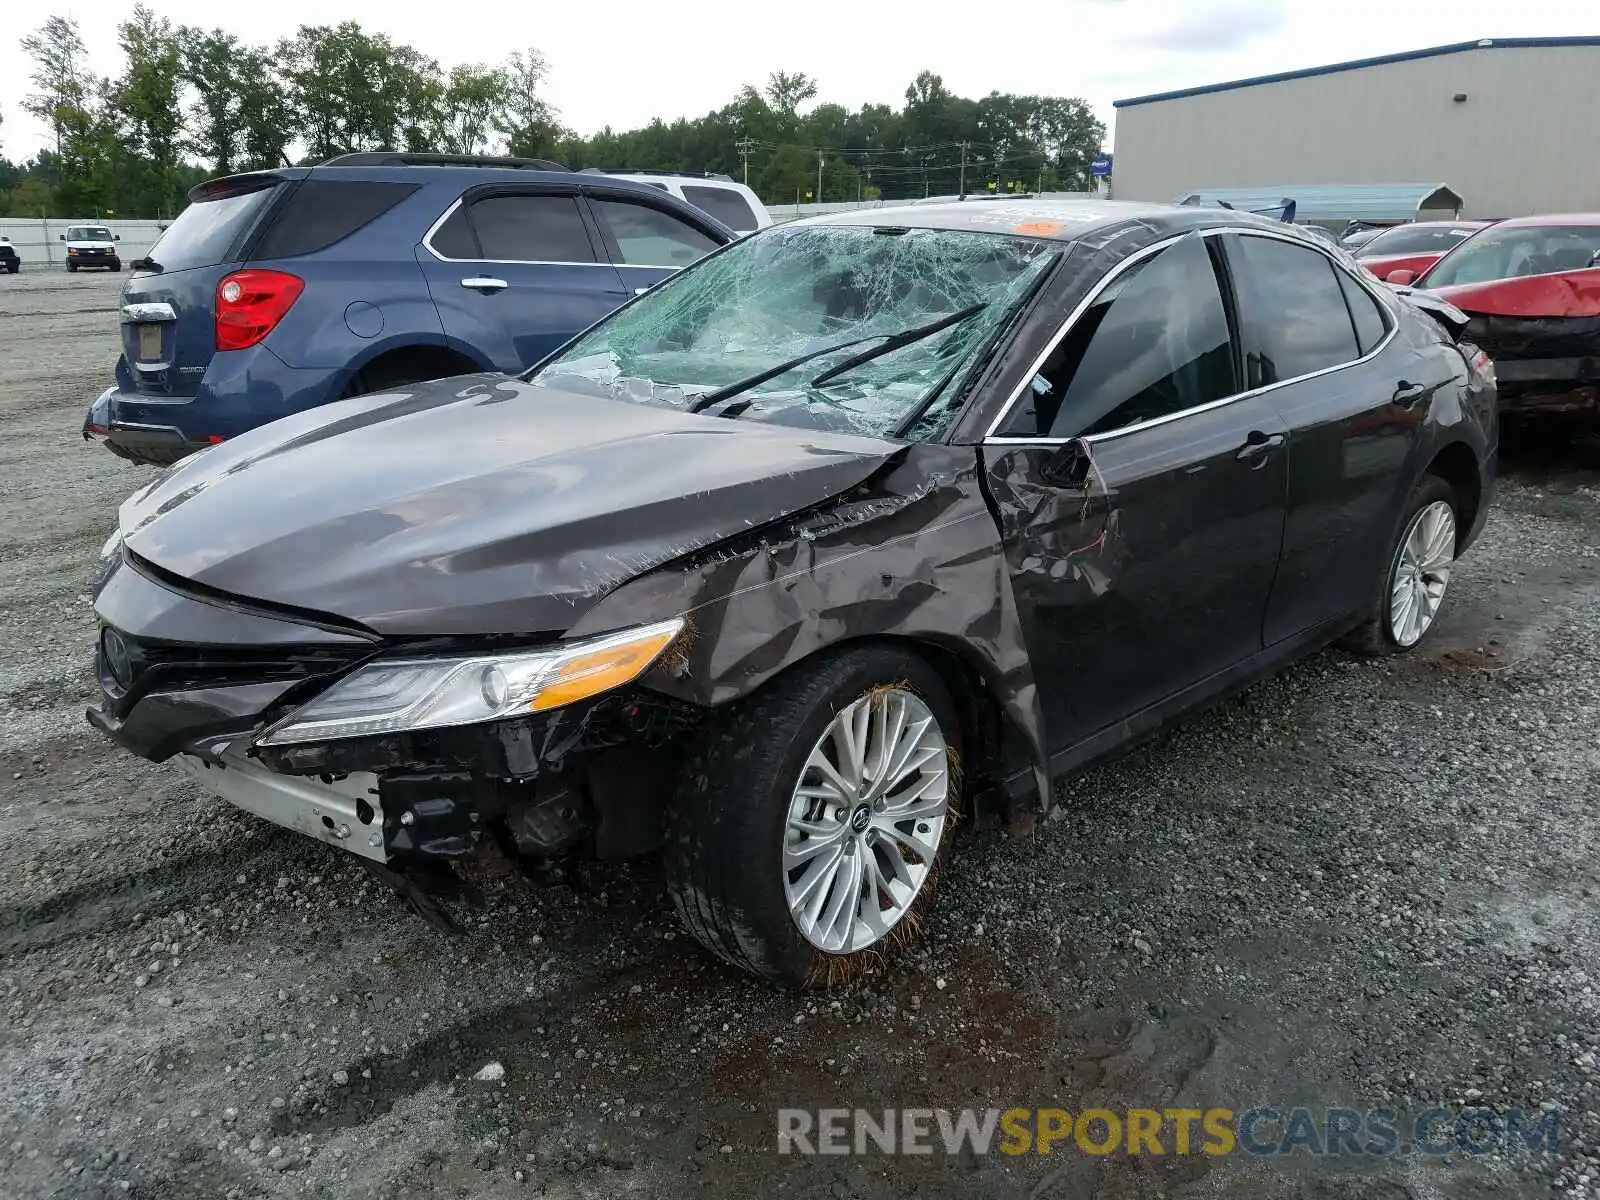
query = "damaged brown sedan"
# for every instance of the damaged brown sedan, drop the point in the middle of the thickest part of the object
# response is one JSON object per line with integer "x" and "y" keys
{"x": 860, "y": 525}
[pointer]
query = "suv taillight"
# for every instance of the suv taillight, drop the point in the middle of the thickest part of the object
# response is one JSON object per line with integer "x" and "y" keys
{"x": 251, "y": 303}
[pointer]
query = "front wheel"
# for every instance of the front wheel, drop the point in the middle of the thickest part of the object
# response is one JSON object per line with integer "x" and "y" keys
{"x": 806, "y": 832}
{"x": 116, "y": 266}
{"x": 1416, "y": 572}
{"x": 72, "y": 268}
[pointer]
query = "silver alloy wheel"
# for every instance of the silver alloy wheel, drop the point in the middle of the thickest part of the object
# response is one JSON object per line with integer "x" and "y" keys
{"x": 1421, "y": 572}
{"x": 865, "y": 820}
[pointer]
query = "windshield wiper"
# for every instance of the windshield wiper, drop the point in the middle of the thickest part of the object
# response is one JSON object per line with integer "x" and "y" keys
{"x": 891, "y": 341}
{"x": 903, "y": 338}
{"x": 707, "y": 399}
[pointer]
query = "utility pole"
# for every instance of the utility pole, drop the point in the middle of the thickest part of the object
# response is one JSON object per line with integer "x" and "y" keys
{"x": 743, "y": 146}
{"x": 820, "y": 154}
{"x": 962, "y": 190}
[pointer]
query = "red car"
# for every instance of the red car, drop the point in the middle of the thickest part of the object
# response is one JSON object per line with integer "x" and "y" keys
{"x": 1415, "y": 246}
{"x": 1531, "y": 286}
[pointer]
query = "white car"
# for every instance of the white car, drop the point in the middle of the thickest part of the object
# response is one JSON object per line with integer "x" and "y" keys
{"x": 735, "y": 205}
{"x": 91, "y": 245}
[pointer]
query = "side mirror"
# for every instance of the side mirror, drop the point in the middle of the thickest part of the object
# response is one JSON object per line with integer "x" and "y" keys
{"x": 1594, "y": 259}
{"x": 116, "y": 237}
{"x": 61, "y": 237}
{"x": 1068, "y": 465}
{"x": 1400, "y": 277}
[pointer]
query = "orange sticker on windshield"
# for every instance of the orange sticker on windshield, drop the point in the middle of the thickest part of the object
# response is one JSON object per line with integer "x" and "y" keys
{"x": 1039, "y": 228}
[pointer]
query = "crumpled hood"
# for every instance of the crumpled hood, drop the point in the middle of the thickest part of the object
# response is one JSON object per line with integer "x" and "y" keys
{"x": 1564, "y": 294}
{"x": 475, "y": 505}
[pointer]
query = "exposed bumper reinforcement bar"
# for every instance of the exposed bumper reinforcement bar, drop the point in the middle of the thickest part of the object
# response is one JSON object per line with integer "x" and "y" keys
{"x": 346, "y": 813}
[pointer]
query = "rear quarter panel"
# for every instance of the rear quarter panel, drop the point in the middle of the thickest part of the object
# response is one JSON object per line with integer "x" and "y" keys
{"x": 362, "y": 291}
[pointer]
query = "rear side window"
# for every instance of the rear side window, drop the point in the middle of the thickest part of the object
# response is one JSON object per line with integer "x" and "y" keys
{"x": 1155, "y": 342}
{"x": 532, "y": 229}
{"x": 725, "y": 204}
{"x": 321, "y": 212}
{"x": 1365, "y": 311}
{"x": 206, "y": 232}
{"x": 648, "y": 237}
{"x": 1299, "y": 323}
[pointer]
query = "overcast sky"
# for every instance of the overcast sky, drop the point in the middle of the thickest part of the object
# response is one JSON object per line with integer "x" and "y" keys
{"x": 622, "y": 62}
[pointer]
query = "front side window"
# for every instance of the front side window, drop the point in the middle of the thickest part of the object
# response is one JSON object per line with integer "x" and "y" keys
{"x": 1155, "y": 342}
{"x": 834, "y": 327}
{"x": 545, "y": 229}
{"x": 1511, "y": 251}
{"x": 648, "y": 237}
{"x": 1299, "y": 323}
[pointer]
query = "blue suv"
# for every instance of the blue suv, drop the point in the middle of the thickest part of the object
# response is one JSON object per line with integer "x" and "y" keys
{"x": 278, "y": 290}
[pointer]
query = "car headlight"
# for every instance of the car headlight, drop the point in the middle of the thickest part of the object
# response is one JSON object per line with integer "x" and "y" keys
{"x": 112, "y": 544}
{"x": 396, "y": 695}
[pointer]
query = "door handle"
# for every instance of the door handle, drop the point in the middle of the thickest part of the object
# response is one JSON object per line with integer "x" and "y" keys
{"x": 483, "y": 283}
{"x": 1408, "y": 395}
{"x": 1257, "y": 446}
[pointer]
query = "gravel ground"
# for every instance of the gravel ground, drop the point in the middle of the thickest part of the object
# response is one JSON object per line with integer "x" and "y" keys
{"x": 1357, "y": 884}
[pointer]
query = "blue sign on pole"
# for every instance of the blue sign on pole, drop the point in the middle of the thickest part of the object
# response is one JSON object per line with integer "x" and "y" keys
{"x": 1100, "y": 168}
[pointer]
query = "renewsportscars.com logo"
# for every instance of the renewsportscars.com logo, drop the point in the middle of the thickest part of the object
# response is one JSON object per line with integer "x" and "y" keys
{"x": 1261, "y": 1131}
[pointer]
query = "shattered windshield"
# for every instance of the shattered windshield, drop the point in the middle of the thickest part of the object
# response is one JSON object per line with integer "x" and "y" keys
{"x": 1512, "y": 251}
{"x": 876, "y": 325}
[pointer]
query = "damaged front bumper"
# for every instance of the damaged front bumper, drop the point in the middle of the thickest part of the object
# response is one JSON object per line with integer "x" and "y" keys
{"x": 1542, "y": 364}
{"x": 202, "y": 681}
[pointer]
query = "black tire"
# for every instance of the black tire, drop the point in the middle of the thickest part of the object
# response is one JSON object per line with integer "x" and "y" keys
{"x": 13, "y": 268}
{"x": 116, "y": 266}
{"x": 726, "y": 820}
{"x": 1374, "y": 636}
{"x": 382, "y": 378}
{"x": 72, "y": 268}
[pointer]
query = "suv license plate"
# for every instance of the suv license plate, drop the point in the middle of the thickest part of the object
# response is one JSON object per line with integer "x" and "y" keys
{"x": 149, "y": 343}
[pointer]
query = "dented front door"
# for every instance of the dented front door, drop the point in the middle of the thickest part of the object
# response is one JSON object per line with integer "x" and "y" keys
{"x": 1153, "y": 573}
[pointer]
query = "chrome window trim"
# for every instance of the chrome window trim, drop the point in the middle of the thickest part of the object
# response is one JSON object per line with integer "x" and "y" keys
{"x": 1391, "y": 320}
{"x": 427, "y": 244}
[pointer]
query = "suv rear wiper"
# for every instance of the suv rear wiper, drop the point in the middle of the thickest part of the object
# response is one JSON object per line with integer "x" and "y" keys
{"x": 891, "y": 341}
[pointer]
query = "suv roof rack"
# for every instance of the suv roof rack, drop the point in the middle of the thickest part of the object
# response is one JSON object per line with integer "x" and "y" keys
{"x": 392, "y": 158}
{"x": 677, "y": 174}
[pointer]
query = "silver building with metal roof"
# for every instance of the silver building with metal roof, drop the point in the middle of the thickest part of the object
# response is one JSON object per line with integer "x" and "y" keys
{"x": 1508, "y": 124}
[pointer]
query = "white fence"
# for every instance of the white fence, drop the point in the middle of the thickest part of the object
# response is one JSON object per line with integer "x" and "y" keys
{"x": 38, "y": 240}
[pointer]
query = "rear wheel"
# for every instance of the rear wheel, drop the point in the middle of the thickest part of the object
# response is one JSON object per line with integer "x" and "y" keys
{"x": 805, "y": 835}
{"x": 1416, "y": 573}
{"x": 381, "y": 376}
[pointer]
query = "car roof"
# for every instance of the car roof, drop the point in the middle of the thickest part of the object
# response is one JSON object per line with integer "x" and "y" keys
{"x": 1551, "y": 220}
{"x": 1062, "y": 220}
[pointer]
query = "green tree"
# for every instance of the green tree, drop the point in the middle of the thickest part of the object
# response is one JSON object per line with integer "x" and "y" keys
{"x": 57, "y": 51}
{"x": 531, "y": 126}
{"x": 147, "y": 100}
{"x": 212, "y": 66}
